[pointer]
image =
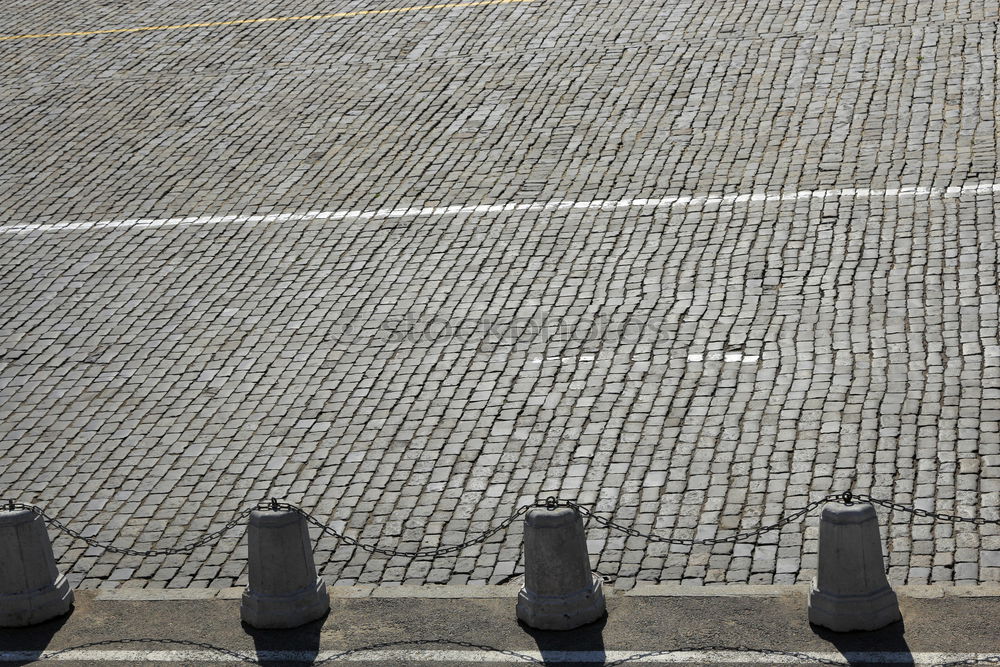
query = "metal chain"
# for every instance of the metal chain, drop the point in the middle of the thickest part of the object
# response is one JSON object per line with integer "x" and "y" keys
{"x": 642, "y": 656}
{"x": 804, "y": 657}
{"x": 153, "y": 640}
{"x": 985, "y": 660}
{"x": 653, "y": 537}
{"x": 431, "y": 552}
{"x": 849, "y": 497}
{"x": 430, "y": 642}
{"x": 846, "y": 497}
{"x": 553, "y": 503}
{"x": 185, "y": 549}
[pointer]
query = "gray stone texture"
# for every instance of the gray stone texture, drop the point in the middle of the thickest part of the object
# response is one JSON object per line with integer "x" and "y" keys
{"x": 413, "y": 380}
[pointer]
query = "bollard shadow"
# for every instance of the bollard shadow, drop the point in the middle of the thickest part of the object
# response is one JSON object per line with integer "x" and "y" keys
{"x": 587, "y": 638}
{"x": 32, "y": 639}
{"x": 857, "y": 647}
{"x": 294, "y": 646}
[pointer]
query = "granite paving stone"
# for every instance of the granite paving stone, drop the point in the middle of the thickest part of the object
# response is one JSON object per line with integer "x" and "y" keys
{"x": 673, "y": 275}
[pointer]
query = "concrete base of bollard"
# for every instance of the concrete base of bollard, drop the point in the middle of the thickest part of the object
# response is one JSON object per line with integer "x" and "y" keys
{"x": 562, "y": 612}
{"x": 283, "y": 590}
{"x": 560, "y": 592}
{"x": 37, "y": 606}
{"x": 31, "y": 588}
{"x": 848, "y": 613}
{"x": 274, "y": 612}
{"x": 850, "y": 590}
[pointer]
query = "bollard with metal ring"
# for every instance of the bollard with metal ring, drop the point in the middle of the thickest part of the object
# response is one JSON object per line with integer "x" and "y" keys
{"x": 850, "y": 590}
{"x": 283, "y": 589}
{"x": 560, "y": 591}
{"x": 31, "y": 588}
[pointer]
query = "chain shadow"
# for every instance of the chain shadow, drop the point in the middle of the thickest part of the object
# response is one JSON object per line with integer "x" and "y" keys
{"x": 300, "y": 644}
{"x": 889, "y": 639}
{"x": 33, "y": 638}
{"x": 589, "y": 638}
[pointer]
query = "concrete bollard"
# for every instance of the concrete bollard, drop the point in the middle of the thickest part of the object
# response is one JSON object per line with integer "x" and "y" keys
{"x": 283, "y": 591}
{"x": 31, "y": 588}
{"x": 560, "y": 592}
{"x": 850, "y": 591}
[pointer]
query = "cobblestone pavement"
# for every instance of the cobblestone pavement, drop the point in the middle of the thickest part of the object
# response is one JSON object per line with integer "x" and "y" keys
{"x": 705, "y": 362}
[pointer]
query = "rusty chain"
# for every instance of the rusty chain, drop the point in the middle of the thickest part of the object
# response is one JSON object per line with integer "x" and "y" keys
{"x": 846, "y": 497}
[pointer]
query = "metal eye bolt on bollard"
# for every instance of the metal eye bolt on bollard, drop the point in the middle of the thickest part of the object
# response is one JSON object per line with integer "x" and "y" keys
{"x": 283, "y": 591}
{"x": 560, "y": 592}
{"x": 851, "y": 591}
{"x": 31, "y": 588}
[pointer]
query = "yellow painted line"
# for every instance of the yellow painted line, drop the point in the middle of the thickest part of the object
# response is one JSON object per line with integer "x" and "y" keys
{"x": 275, "y": 19}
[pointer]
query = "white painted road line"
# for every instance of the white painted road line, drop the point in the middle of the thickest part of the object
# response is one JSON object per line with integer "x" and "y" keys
{"x": 729, "y": 357}
{"x": 601, "y": 204}
{"x": 566, "y": 360}
{"x": 482, "y": 656}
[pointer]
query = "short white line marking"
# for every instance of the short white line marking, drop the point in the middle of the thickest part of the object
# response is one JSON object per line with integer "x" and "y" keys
{"x": 477, "y": 656}
{"x": 731, "y": 357}
{"x": 565, "y": 360}
{"x": 600, "y": 204}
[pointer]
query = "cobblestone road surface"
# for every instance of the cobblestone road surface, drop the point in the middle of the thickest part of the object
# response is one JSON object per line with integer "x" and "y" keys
{"x": 697, "y": 364}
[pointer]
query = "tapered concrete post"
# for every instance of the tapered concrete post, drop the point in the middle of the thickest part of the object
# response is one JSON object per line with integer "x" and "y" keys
{"x": 560, "y": 592}
{"x": 850, "y": 591}
{"x": 283, "y": 591}
{"x": 31, "y": 588}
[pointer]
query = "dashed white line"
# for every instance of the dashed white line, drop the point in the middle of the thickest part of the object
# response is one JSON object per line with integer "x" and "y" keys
{"x": 556, "y": 205}
{"x": 582, "y": 357}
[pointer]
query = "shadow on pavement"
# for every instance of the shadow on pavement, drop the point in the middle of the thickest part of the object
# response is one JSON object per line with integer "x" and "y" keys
{"x": 588, "y": 638}
{"x": 889, "y": 639}
{"x": 34, "y": 638}
{"x": 301, "y": 644}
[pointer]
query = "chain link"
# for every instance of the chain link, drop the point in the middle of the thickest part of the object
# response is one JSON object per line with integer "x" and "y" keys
{"x": 430, "y": 642}
{"x": 153, "y": 640}
{"x": 184, "y": 549}
{"x": 804, "y": 657}
{"x": 430, "y": 552}
{"x": 550, "y": 503}
{"x": 915, "y": 511}
{"x": 553, "y": 503}
{"x": 653, "y": 537}
{"x": 985, "y": 660}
